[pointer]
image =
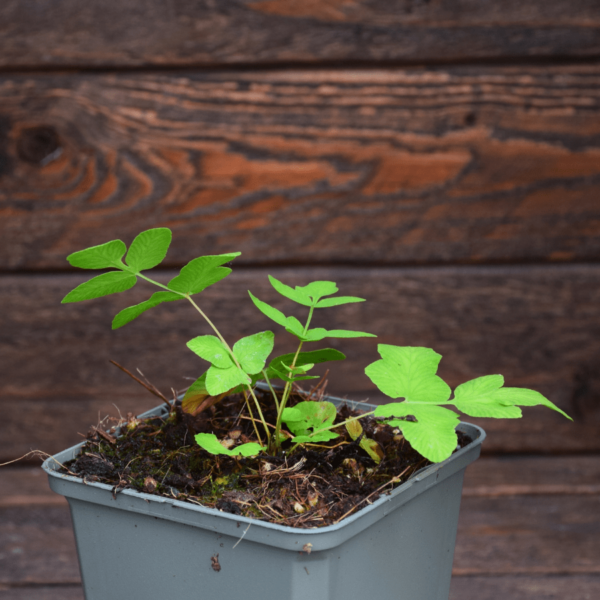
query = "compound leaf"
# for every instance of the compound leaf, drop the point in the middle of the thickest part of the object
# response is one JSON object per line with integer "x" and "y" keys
{"x": 210, "y": 348}
{"x": 201, "y": 272}
{"x": 100, "y": 257}
{"x": 408, "y": 372}
{"x": 211, "y": 444}
{"x": 269, "y": 311}
{"x": 297, "y": 295}
{"x": 103, "y": 285}
{"x": 149, "y": 249}
{"x": 294, "y": 326}
{"x": 252, "y": 351}
{"x": 129, "y": 314}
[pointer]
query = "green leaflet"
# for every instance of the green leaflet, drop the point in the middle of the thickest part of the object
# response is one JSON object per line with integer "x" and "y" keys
{"x": 269, "y": 311}
{"x": 133, "y": 312}
{"x": 327, "y": 302}
{"x": 252, "y": 351}
{"x": 317, "y": 289}
{"x": 433, "y": 435}
{"x": 279, "y": 365}
{"x": 485, "y": 397}
{"x": 201, "y": 272}
{"x": 149, "y": 249}
{"x": 219, "y": 381}
{"x": 408, "y": 372}
{"x": 307, "y": 416}
{"x": 210, "y": 348}
{"x": 103, "y": 285}
{"x": 103, "y": 256}
{"x": 294, "y": 326}
{"x": 297, "y": 295}
{"x": 211, "y": 444}
{"x": 314, "y": 335}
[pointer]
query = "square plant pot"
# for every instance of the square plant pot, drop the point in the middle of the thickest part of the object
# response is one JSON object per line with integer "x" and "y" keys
{"x": 144, "y": 547}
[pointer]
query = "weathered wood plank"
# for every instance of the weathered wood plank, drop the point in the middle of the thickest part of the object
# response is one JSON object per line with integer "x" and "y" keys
{"x": 37, "y": 546}
{"x": 55, "y": 592}
{"x": 578, "y": 587}
{"x": 234, "y": 31}
{"x": 528, "y": 535}
{"x": 583, "y": 587}
{"x": 538, "y": 326}
{"x": 398, "y": 166}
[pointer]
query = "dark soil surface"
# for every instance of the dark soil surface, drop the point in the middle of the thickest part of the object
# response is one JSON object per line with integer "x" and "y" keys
{"x": 314, "y": 486}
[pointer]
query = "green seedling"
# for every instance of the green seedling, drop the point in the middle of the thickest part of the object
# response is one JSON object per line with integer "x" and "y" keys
{"x": 425, "y": 415}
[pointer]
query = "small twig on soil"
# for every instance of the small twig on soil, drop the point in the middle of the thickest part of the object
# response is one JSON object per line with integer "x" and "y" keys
{"x": 151, "y": 388}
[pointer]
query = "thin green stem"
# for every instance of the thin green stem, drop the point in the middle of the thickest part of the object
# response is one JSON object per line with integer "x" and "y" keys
{"x": 252, "y": 417}
{"x": 272, "y": 390}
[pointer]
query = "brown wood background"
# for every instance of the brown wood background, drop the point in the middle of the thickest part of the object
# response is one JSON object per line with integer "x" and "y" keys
{"x": 439, "y": 157}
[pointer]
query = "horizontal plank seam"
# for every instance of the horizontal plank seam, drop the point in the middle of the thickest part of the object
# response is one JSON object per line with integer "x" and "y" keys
{"x": 71, "y": 583}
{"x": 491, "y": 61}
{"x": 484, "y": 491}
{"x": 247, "y": 267}
{"x": 541, "y": 570}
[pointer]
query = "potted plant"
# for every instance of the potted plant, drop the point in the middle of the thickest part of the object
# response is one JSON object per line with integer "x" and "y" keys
{"x": 247, "y": 486}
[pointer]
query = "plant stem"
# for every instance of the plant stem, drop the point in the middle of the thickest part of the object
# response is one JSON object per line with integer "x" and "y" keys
{"x": 272, "y": 390}
{"x": 223, "y": 341}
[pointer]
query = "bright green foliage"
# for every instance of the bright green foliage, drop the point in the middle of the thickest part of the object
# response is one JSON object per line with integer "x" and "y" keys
{"x": 297, "y": 295}
{"x": 200, "y": 273}
{"x": 148, "y": 249}
{"x": 103, "y": 256}
{"x": 129, "y": 314}
{"x": 279, "y": 367}
{"x": 410, "y": 373}
{"x": 103, "y": 285}
{"x": 269, "y": 311}
{"x": 327, "y": 302}
{"x": 211, "y": 444}
{"x": 306, "y": 418}
{"x": 211, "y": 349}
{"x": 250, "y": 352}
{"x": 317, "y": 334}
{"x": 433, "y": 434}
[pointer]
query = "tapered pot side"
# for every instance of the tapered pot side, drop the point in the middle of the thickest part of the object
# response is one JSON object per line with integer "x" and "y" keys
{"x": 139, "y": 546}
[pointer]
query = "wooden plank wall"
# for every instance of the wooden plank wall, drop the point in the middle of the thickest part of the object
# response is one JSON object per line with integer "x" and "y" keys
{"x": 439, "y": 157}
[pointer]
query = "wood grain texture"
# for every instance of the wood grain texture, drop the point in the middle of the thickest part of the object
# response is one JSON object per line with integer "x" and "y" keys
{"x": 584, "y": 587}
{"x": 398, "y": 166}
{"x": 538, "y": 326}
{"x": 191, "y": 32}
{"x": 55, "y": 592}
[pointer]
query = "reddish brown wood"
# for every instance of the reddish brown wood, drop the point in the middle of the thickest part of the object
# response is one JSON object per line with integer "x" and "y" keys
{"x": 538, "y": 326}
{"x": 266, "y": 31}
{"x": 412, "y": 166}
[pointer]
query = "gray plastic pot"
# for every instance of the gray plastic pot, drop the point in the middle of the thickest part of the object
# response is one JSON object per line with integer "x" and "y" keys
{"x": 144, "y": 547}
